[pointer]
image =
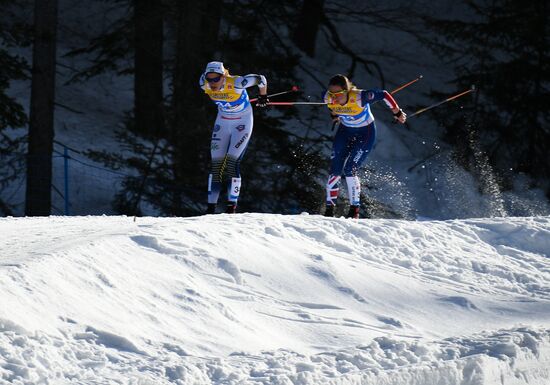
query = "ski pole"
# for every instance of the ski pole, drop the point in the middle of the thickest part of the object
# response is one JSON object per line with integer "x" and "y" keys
{"x": 336, "y": 123}
{"x": 399, "y": 89}
{"x": 472, "y": 89}
{"x": 296, "y": 103}
{"x": 322, "y": 103}
{"x": 293, "y": 89}
{"x": 406, "y": 84}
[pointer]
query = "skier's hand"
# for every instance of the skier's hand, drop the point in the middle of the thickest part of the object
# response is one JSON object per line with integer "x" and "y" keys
{"x": 335, "y": 120}
{"x": 262, "y": 101}
{"x": 400, "y": 116}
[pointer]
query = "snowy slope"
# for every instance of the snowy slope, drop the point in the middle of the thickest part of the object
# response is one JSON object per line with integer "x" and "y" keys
{"x": 271, "y": 299}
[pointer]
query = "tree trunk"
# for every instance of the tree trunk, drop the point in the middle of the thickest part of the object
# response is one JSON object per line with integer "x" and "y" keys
{"x": 198, "y": 27}
{"x": 41, "y": 130}
{"x": 198, "y": 24}
{"x": 148, "y": 80}
{"x": 305, "y": 33}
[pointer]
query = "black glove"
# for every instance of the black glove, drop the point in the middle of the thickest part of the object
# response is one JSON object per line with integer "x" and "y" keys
{"x": 262, "y": 101}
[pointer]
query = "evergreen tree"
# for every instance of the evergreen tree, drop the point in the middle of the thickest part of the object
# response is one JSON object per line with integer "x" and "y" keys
{"x": 172, "y": 168}
{"x": 12, "y": 116}
{"x": 305, "y": 31}
{"x": 503, "y": 48}
{"x": 113, "y": 49}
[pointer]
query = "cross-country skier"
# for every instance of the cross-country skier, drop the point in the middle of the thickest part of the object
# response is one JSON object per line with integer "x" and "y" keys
{"x": 354, "y": 140}
{"x": 232, "y": 129}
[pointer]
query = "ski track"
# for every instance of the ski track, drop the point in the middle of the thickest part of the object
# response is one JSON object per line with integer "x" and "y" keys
{"x": 272, "y": 299}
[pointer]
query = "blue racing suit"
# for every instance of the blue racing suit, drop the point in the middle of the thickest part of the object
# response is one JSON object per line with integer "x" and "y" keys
{"x": 354, "y": 139}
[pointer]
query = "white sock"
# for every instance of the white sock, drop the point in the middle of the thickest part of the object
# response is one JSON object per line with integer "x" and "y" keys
{"x": 354, "y": 190}
{"x": 234, "y": 190}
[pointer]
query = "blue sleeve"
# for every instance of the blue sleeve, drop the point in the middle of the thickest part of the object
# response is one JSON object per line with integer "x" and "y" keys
{"x": 371, "y": 96}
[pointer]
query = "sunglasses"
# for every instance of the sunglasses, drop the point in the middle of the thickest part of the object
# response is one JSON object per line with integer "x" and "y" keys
{"x": 213, "y": 80}
{"x": 337, "y": 93}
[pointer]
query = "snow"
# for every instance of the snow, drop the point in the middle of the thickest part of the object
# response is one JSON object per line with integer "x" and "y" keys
{"x": 273, "y": 299}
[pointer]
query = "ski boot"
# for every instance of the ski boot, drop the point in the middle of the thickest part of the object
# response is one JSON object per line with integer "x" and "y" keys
{"x": 231, "y": 208}
{"x": 329, "y": 212}
{"x": 211, "y": 209}
{"x": 353, "y": 212}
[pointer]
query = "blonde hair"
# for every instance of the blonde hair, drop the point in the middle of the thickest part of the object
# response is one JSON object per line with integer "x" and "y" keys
{"x": 342, "y": 81}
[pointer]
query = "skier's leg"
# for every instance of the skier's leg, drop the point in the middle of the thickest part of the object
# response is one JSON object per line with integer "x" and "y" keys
{"x": 241, "y": 133}
{"x": 354, "y": 189}
{"x": 332, "y": 189}
{"x": 338, "y": 158}
{"x": 362, "y": 145}
{"x": 221, "y": 136}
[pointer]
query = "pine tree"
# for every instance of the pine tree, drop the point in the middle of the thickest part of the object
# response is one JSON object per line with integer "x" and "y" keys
{"x": 172, "y": 167}
{"x": 12, "y": 115}
{"x": 503, "y": 48}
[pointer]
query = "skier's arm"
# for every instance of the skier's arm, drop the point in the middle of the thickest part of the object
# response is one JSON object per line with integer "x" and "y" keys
{"x": 326, "y": 99}
{"x": 252, "y": 80}
{"x": 374, "y": 95}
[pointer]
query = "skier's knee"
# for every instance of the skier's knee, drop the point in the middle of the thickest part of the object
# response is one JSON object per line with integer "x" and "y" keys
{"x": 333, "y": 181}
{"x": 350, "y": 170}
{"x": 217, "y": 169}
{"x": 350, "y": 173}
{"x": 233, "y": 167}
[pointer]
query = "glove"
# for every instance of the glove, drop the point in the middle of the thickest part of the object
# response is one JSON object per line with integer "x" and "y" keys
{"x": 400, "y": 116}
{"x": 262, "y": 101}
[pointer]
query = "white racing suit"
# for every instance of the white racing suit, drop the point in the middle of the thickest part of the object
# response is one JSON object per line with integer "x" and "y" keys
{"x": 231, "y": 133}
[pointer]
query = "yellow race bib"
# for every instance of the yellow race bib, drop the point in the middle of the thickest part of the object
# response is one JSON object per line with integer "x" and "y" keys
{"x": 226, "y": 94}
{"x": 352, "y": 106}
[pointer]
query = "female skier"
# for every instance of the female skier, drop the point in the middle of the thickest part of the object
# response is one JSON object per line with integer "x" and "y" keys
{"x": 232, "y": 129}
{"x": 355, "y": 137}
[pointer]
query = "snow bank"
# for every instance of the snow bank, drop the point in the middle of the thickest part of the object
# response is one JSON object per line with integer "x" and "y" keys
{"x": 271, "y": 299}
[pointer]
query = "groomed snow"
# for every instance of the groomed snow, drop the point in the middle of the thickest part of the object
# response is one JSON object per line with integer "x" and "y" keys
{"x": 272, "y": 299}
